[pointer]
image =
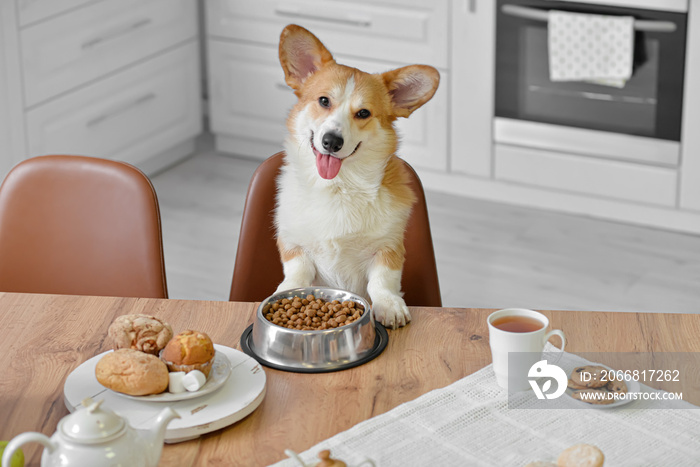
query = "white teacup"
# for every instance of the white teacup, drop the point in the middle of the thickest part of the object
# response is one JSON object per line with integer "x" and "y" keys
{"x": 528, "y": 333}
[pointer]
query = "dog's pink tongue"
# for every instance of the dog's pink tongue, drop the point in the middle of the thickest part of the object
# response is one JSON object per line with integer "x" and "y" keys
{"x": 327, "y": 165}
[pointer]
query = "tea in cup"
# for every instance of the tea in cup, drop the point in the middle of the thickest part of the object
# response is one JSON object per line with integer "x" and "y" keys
{"x": 522, "y": 333}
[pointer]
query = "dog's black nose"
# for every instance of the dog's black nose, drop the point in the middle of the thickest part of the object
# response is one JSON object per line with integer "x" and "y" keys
{"x": 332, "y": 142}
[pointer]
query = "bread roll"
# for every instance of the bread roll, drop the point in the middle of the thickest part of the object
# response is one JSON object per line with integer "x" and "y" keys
{"x": 140, "y": 332}
{"x": 188, "y": 351}
{"x": 132, "y": 372}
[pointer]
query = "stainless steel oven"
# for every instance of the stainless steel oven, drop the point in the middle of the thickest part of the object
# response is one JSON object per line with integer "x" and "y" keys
{"x": 640, "y": 121}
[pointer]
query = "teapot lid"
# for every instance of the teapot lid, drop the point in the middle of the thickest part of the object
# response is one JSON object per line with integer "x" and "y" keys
{"x": 91, "y": 424}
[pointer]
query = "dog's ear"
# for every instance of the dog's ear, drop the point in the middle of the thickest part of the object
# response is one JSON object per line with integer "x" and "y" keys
{"x": 410, "y": 87}
{"x": 301, "y": 54}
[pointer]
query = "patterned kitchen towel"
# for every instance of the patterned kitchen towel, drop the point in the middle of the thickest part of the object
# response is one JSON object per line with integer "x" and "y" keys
{"x": 593, "y": 48}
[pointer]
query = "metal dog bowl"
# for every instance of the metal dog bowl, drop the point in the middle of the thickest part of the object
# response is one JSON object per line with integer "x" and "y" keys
{"x": 319, "y": 350}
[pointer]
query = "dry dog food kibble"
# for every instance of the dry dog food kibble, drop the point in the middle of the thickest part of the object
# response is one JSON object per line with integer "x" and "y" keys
{"x": 311, "y": 313}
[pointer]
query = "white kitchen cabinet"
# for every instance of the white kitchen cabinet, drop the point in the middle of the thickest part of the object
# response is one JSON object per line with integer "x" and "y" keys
{"x": 689, "y": 190}
{"x": 572, "y": 173}
{"x": 127, "y": 116}
{"x": 100, "y": 38}
{"x": 116, "y": 79}
{"x": 473, "y": 51}
{"x": 249, "y": 100}
{"x": 405, "y": 31}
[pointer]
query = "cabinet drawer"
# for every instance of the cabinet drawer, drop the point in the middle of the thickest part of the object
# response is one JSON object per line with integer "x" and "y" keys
{"x": 31, "y": 11}
{"x": 407, "y": 32}
{"x": 129, "y": 116}
{"x": 247, "y": 94}
{"x": 585, "y": 175}
{"x": 250, "y": 100}
{"x": 74, "y": 49}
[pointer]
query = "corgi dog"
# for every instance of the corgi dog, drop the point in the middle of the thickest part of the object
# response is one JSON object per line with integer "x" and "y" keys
{"x": 343, "y": 197}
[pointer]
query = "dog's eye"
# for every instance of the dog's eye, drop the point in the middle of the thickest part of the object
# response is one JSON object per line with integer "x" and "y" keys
{"x": 324, "y": 101}
{"x": 363, "y": 113}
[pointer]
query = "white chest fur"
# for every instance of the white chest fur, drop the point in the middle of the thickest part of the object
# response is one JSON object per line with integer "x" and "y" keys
{"x": 339, "y": 225}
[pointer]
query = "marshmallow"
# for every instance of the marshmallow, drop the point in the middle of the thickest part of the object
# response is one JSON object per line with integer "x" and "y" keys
{"x": 176, "y": 385}
{"x": 194, "y": 380}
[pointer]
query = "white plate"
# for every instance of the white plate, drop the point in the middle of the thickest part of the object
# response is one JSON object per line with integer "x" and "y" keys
{"x": 220, "y": 371}
{"x": 633, "y": 387}
{"x": 240, "y": 395}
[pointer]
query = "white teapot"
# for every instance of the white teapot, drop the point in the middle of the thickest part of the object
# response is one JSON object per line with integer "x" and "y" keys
{"x": 96, "y": 437}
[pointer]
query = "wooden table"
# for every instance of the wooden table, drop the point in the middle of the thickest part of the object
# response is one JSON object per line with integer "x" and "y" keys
{"x": 44, "y": 337}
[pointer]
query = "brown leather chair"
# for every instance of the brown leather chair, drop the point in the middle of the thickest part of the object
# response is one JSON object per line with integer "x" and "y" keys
{"x": 258, "y": 269}
{"x": 82, "y": 226}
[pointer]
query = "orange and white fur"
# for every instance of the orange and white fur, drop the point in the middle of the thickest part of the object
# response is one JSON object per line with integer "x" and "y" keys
{"x": 343, "y": 200}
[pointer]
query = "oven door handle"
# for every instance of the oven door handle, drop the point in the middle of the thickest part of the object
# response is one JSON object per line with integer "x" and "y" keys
{"x": 543, "y": 15}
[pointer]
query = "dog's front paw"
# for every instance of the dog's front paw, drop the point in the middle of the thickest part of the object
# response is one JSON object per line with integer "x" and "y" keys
{"x": 391, "y": 311}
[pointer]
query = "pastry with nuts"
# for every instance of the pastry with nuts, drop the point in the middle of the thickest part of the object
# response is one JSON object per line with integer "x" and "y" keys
{"x": 140, "y": 332}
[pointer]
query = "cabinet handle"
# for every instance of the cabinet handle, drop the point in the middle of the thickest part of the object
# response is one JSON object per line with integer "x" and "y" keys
{"x": 120, "y": 109}
{"x": 289, "y": 13}
{"x": 116, "y": 33}
{"x": 282, "y": 86}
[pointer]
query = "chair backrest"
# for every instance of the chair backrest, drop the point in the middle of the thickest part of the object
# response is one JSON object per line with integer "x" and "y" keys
{"x": 258, "y": 269}
{"x": 82, "y": 226}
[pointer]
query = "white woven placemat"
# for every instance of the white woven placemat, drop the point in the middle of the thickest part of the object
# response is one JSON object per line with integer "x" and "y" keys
{"x": 468, "y": 423}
